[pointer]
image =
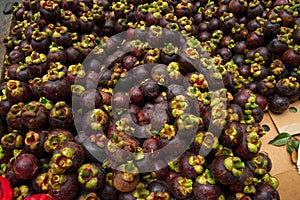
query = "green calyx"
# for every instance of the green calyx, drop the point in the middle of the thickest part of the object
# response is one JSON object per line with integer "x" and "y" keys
{"x": 185, "y": 186}
{"x": 12, "y": 139}
{"x": 36, "y": 58}
{"x": 231, "y": 132}
{"x": 173, "y": 66}
{"x": 53, "y": 141}
{"x": 31, "y": 108}
{"x": 77, "y": 89}
{"x": 21, "y": 191}
{"x": 49, "y": 5}
{"x": 118, "y": 6}
{"x": 61, "y": 110}
{"x": 273, "y": 181}
{"x": 191, "y": 53}
{"x": 38, "y": 35}
{"x": 171, "y": 17}
{"x": 87, "y": 175}
{"x": 184, "y": 5}
{"x": 2, "y": 152}
{"x": 255, "y": 69}
{"x": 74, "y": 69}
{"x": 198, "y": 80}
{"x": 253, "y": 142}
{"x": 170, "y": 49}
{"x": 55, "y": 48}
{"x": 167, "y": 132}
{"x": 173, "y": 165}
{"x": 178, "y": 105}
{"x": 41, "y": 180}
{"x": 59, "y": 31}
{"x": 249, "y": 189}
{"x": 46, "y": 102}
{"x": 53, "y": 75}
{"x": 197, "y": 162}
{"x": 210, "y": 141}
{"x": 188, "y": 122}
{"x": 156, "y": 30}
{"x": 62, "y": 161}
{"x": 205, "y": 178}
{"x": 32, "y": 139}
{"x": 13, "y": 85}
{"x": 173, "y": 26}
{"x": 57, "y": 180}
{"x": 234, "y": 165}
{"x": 124, "y": 125}
{"x": 226, "y": 16}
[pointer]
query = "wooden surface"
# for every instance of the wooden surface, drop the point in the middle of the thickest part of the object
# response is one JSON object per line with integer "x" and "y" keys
{"x": 5, "y": 25}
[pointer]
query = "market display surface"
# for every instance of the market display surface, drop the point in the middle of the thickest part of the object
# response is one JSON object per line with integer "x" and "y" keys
{"x": 150, "y": 100}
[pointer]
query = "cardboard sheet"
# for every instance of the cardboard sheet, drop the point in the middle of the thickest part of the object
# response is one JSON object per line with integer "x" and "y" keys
{"x": 280, "y": 158}
{"x": 288, "y": 121}
{"x": 283, "y": 169}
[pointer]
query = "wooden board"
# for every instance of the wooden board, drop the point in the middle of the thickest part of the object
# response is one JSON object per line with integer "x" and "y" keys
{"x": 4, "y": 31}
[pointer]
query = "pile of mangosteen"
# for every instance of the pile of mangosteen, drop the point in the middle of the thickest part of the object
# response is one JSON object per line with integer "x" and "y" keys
{"x": 139, "y": 99}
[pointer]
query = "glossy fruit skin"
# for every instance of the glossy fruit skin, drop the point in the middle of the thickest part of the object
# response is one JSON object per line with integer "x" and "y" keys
{"x": 150, "y": 90}
{"x": 136, "y": 95}
{"x": 122, "y": 185}
{"x": 41, "y": 46}
{"x": 25, "y": 166}
{"x": 66, "y": 190}
{"x": 206, "y": 191}
{"x": 242, "y": 97}
{"x": 278, "y": 104}
{"x": 291, "y": 58}
{"x": 126, "y": 196}
{"x": 16, "y": 56}
{"x": 242, "y": 150}
{"x": 56, "y": 90}
{"x": 220, "y": 173}
{"x": 34, "y": 142}
{"x": 261, "y": 101}
{"x": 14, "y": 97}
{"x": 56, "y": 137}
{"x": 296, "y": 36}
{"x": 90, "y": 99}
{"x": 239, "y": 185}
{"x": 100, "y": 176}
{"x": 34, "y": 119}
{"x": 13, "y": 117}
{"x": 260, "y": 165}
{"x": 151, "y": 145}
{"x": 4, "y": 108}
{"x": 60, "y": 116}
{"x": 265, "y": 191}
{"x": 185, "y": 168}
{"x": 74, "y": 55}
{"x": 76, "y": 155}
{"x": 231, "y": 140}
{"x": 108, "y": 192}
{"x": 158, "y": 186}
{"x": 14, "y": 181}
{"x": 175, "y": 185}
{"x": 284, "y": 89}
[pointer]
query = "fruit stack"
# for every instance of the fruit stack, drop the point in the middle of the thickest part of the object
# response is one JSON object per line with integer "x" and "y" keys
{"x": 145, "y": 99}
